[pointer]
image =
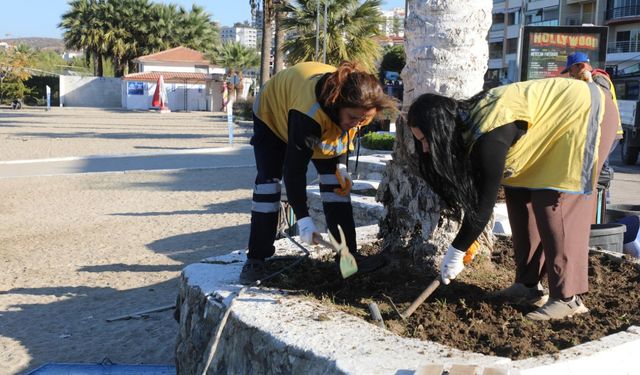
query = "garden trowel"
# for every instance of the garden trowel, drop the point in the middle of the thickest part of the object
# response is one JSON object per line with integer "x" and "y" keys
{"x": 347, "y": 263}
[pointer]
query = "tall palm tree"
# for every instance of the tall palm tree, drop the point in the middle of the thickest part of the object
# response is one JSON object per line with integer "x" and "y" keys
{"x": 278, "y": 53}
{"x": 446, "y": 55}
{"x": 351, "y": 26}
{"x": 267, "y": 37}
{"x": 83, "y": 26}
{"x": 195, "y": 29}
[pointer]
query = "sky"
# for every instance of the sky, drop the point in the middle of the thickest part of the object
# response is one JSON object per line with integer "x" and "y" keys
{"x": 39, "y": 18}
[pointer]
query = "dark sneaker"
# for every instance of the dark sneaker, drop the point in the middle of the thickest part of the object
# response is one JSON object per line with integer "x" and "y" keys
{"x": 521, "y": 294}
{"x": 558, "y": 309}
{"x": 252, "y": 271}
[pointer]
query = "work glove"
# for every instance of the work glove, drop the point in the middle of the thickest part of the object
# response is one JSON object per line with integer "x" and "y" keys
{"x": 452, "y": 264}
{"x": 344, "y": 179}
{"x": 307, "y": 230}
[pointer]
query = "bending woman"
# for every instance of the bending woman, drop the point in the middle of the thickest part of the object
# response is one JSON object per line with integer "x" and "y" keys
{"x": 545, "y": 142}
{"x": 309, "y": 112}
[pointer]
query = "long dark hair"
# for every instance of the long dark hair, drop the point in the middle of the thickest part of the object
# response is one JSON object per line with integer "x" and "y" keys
{"x": 446, "y": 167}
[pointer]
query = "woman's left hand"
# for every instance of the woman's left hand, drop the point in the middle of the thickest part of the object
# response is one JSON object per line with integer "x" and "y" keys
{"x": 344, "y": 179}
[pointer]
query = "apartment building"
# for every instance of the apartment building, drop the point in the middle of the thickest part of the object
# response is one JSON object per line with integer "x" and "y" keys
{"x": 622, "y": 17}
{"x": 393, "y": 24}
{"x": 245, "y": 34}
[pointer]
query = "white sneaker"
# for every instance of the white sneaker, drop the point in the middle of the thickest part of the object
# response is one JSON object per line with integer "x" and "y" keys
{"x": 558, "y": 309}
{"x": 521, "y": 294}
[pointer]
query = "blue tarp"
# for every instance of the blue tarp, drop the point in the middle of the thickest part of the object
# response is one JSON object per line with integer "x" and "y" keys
{"x": 102, "y": 369}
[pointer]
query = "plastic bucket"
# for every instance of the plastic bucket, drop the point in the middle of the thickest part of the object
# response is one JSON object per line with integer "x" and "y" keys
{"x": 616, "y": 212}
{"x": 607, "y": 236}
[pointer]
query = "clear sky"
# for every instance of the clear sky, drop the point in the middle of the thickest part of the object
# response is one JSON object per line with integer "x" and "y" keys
{"x": 39, "y": 18}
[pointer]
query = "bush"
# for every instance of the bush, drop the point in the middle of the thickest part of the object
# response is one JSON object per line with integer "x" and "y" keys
{"x": 378, "y": 141}
{"x": 243, "y": 109}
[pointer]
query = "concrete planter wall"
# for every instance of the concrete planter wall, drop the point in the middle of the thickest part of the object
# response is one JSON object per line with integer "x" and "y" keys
{"x": 271, "y": 333}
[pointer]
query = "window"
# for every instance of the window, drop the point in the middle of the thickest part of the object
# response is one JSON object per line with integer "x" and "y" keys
{"x": 633, "y": 90}
{"x": 512, "y": 45}
{"x": 513, "y": 18}
{"x": 550, "y": 13}
{"x": 495, "y": 50}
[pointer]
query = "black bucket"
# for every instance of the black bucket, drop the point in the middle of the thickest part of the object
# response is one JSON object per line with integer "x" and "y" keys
{"x": 607, "y": 236}
{"x": 616, "y": 212}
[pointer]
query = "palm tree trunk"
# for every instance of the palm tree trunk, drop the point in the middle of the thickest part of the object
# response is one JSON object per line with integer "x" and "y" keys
{"x": 267, "y": 18}
{"x": 447, "y": 53}
{"x": 278, "y": 59}
{"x": 100, "y": 68}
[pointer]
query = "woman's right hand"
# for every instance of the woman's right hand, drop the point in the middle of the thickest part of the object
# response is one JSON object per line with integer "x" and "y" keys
{"x": 307, "y": 230}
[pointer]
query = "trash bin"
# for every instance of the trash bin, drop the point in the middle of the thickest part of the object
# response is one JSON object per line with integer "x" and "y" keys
{"x": 607, "y": 236}
{"x": 616, "y": 212}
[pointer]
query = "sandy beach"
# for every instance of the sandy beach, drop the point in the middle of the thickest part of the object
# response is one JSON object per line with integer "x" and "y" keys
{"x": 79, "y": 249}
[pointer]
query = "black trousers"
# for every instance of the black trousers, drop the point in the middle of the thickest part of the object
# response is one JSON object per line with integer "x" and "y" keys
{"x": 269, "y": 152}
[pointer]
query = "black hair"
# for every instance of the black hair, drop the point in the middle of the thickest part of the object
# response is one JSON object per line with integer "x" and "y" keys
{"x": 446, "y": 167}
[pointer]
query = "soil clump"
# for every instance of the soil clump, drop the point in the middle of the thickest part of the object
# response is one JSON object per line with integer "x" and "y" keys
{"x": 464, "y": 314}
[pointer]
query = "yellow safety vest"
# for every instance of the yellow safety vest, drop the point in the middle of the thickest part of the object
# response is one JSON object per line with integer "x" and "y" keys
{"x": 560, "y": 148}
{"x": 294, "y": 88}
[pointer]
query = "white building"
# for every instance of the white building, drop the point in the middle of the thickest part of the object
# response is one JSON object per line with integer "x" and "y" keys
{"x": 244, "y": 34}
{"x": 192, "y": 82}
{"x": 393, "y": 22}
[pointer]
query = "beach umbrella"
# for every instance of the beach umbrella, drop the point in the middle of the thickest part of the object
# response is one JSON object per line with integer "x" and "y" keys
{"x": 160, "y": 96}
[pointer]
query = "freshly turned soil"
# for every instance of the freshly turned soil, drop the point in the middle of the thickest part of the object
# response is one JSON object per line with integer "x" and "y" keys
{"x": 463, "y": 314}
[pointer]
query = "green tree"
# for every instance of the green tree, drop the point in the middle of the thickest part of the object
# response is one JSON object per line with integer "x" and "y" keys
{"x": 195, "y": 29}
{"x": 351, "y": 26}
{"x": 393, "y": 60}
{"x": 234, "y": 57}
{"x": 14, "y": 64}
{"x": 84, "y": 28}
{"x": 122, "y": 30}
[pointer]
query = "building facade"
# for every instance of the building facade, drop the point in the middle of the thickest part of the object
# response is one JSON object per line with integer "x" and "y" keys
{"x": 246, "y": 35}
{"x": 622, "y": 17}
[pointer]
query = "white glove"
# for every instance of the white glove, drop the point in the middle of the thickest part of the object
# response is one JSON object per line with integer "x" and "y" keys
{"x": 344, "y": 179}
{"x": 451, "y": 265}
{"x": 307, "y": 230}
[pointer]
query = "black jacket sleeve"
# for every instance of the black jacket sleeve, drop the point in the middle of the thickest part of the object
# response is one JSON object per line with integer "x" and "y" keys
{"x": 488, "y": 157}
{"x": 304, "y": 134}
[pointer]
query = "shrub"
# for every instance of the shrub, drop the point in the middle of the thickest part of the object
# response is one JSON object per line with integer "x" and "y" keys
{"x": 378, "y": 141}
{"x": 243, "y": 109}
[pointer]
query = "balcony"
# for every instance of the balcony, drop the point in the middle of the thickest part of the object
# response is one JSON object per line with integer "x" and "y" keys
{"x": 544, "y": 23}
{"x": 616, "y": 14}
{"x": 623, "y": 47}
{"x": 577, "y": 19}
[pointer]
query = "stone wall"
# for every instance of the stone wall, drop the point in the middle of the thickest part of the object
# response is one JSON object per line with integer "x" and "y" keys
{"x": 269, "y": 332}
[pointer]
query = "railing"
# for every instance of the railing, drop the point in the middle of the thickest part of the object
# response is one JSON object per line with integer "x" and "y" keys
{"x": 544, "y": 23}
{"x": 579, "y": 19}
{"x": 631, "y": 11}
{"x": 624, "y": 47}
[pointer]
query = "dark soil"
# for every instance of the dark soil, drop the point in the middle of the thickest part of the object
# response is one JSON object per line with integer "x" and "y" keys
{"x": 463, "y": 314}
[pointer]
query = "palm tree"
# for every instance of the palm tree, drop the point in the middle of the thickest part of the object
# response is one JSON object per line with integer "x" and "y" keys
{"x": 446, "y": 55}
{"x": 234, "y": 57}
{"x": 195, "y": 29}
{"x": 267, "y": 38}
{"x": 351, "y": 26}
{"x": 83, "y": 28}
{"x": 278, "y": 53}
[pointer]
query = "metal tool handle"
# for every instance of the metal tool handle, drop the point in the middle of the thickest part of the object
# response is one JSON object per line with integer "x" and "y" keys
{"x": 421, "y": 298}
{"x": 323, "y": 242}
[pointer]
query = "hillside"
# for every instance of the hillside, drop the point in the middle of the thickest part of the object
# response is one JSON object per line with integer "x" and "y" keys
{"x": 38, "y": 43}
